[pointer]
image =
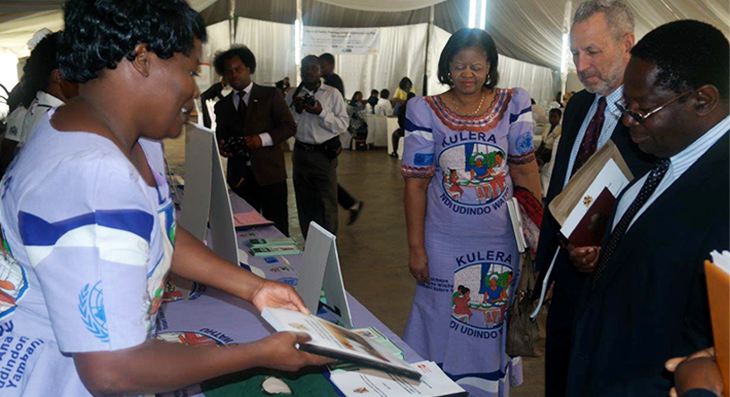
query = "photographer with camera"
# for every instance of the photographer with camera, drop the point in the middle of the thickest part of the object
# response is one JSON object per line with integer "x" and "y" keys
{"x": 251, "y": 122}
{"x": 321, "y": 115}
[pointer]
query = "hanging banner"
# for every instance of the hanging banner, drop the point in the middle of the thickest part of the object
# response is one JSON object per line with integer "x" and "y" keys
{"x": 317, "y": 40}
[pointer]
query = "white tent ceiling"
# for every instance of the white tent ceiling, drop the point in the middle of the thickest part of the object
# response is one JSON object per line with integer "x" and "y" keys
{"x": 528, "y": 30}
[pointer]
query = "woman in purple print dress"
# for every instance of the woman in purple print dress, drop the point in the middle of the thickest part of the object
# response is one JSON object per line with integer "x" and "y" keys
{"x": 464, "y": 151}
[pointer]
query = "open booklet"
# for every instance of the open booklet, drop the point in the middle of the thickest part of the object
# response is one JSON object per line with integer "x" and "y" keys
{"x": 334, "y": 341}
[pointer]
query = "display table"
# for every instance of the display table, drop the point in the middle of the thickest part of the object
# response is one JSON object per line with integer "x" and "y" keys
{"x": 212, "y": 314}
{"x": 377, "y": 130}
{"x": 391, "y": 124}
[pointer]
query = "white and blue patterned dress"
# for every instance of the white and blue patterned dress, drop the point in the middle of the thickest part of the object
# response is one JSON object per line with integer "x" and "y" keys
{"x": 93, "y": 244}
{"x": 458, "y": 319}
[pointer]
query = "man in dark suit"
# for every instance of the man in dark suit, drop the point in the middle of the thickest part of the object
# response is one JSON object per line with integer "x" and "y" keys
{"x": 251, "y": 123}
{"x": 646, "y": 300}
{"x": 600, "y": 39}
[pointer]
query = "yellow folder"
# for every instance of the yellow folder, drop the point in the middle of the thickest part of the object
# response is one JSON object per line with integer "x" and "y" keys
{"x": 718, "y": 291}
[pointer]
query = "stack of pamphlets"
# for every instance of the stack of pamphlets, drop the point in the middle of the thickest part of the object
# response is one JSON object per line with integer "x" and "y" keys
{"x": 273, "y": 247}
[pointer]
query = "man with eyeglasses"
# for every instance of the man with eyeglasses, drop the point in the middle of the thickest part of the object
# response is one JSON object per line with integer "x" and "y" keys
{"x": 600, "y": 39}
{"x": 646, "y": 300}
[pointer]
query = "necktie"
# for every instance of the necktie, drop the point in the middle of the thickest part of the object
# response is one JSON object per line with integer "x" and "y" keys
{"x": 241, "y": 105}
{"x": 590, "y": 140}
{"x": 651, "y": 183}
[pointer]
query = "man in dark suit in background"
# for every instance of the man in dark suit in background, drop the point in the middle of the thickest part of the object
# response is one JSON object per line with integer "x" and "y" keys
{"x": 600, "y": 39}
{"x": 251, "y": 123}
{"x": 646, "y": 300}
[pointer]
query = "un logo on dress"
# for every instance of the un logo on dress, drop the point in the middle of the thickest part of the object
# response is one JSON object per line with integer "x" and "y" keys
{"x": 91, "y": 308}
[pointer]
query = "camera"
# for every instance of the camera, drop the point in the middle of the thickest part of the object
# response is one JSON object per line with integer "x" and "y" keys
{"x": 309, "y": 99}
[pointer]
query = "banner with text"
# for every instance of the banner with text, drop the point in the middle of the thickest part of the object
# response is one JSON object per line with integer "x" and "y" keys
{"x": 317, "y": 40}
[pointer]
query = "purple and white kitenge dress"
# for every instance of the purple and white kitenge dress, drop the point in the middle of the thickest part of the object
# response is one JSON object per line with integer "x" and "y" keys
{"x": 458, "y": 318}
{"x": 93, "y": 244}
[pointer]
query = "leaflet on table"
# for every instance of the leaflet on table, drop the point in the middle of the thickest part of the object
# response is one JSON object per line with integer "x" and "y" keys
{"x": 270, "y": 242}
{"x": 334, "y": 341}
{"x": 275, "y": 251}
{"x": 717, "y": 275}
{"x": 250, "y": 218}
{"x": 369, "y": 382}
{"x": 602, "y": 192}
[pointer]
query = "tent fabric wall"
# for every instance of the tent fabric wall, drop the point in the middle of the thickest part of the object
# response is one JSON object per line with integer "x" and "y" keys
{"x": 273, "y": 45}
{"x": 401, "y": 52}
{"x": 384, "y": 5}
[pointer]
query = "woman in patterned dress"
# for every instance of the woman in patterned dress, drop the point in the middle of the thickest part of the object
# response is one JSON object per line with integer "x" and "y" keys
{"x": 86, "y": 214}
{"x": 477, "y": 139}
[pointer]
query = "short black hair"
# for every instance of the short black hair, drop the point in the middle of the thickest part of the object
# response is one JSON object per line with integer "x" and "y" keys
{"x": 384, "y": 93}
{"x": 241, "y": 51}
{"x": 556, "y": 111}
{"x": 100, "y": 33}
{"x": 327, "y": 57}
{"x": 37, "y": 70}
{"x": 374, "y": 92}
{"x": 465, "y": 38}
{"x": 688, "y": 54}
{"x": 405, "y": 84}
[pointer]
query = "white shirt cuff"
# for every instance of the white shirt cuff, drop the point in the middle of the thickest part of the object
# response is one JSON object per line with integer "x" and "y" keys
{"x": 266, "y": 139}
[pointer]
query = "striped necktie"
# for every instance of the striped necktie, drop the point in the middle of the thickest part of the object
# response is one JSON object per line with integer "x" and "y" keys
{"x": 590, "y": 139}
{"x": 652, "y": 181}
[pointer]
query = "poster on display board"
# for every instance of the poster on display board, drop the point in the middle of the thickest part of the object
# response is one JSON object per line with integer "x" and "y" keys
{"x": 317, "y": 40}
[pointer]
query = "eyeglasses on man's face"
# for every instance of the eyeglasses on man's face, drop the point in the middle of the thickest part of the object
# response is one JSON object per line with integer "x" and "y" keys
{"x": 641, "y": 117}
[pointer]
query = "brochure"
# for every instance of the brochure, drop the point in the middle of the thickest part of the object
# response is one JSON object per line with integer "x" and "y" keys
{"x": 275, "y": 251}
{"x": 334, "y": 341}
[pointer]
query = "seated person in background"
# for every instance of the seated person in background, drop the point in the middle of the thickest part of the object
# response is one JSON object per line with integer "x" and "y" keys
{"x": 383, "y": 107}
{"x": 356, "y": 109}
{"x": 400, "y": 132}
{"x": 549, "y": 135}
{"x": 97, "y": 258}
{"x": 373, "y": 100}
{"x": 539, "y": 116}
{"x": 43, "y": 90}
{"x": 283, "y": 85}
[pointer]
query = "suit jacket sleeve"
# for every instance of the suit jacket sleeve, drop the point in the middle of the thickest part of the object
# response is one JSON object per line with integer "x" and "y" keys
{"x": 223, "y": 123}
{"x": 284, "y": 125}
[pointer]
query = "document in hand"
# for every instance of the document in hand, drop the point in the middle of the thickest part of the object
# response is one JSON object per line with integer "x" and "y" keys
{"x": 334, "y": 341}
{"x": 717, "y": 274}
{"x": 584, "y": 207}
